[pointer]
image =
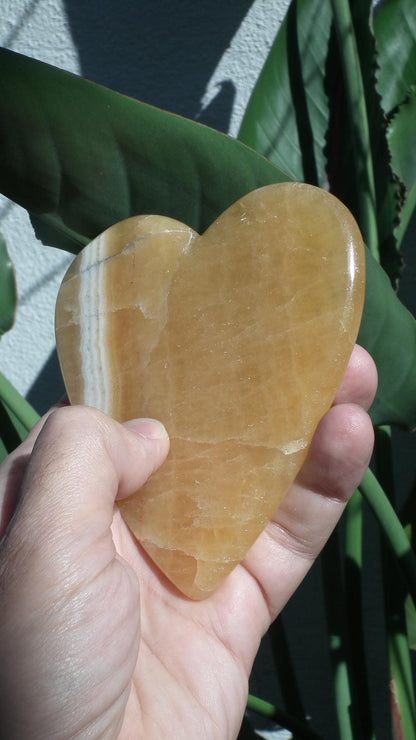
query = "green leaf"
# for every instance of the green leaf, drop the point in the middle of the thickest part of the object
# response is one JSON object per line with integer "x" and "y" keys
{"x": 287, "y": 115}
{"x": 395, "y": 31}
{"x": 20, "y": 412}
{"x": 17, "y": 417}
{"x": 81, "y": 157}
{"x": 10, "y": 437}
{"x": 410, "y": 611}
{"x": 388, "y": 332}
{"x": 8, "y": 296}
{"x": 346, "y": 161}
{"x": 301, "y": 117}
{"x": 358, "y": 119}
{"x": 91, "y": 157}
{"x": 402, "y": 142}
{"x": 3, "y": 450}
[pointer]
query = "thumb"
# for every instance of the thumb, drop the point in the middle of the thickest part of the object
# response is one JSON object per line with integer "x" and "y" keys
{"x": 80, "y": 463}
{"x": 69, "y": 603}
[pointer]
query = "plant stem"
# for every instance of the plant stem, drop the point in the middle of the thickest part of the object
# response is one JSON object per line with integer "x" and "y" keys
{"x": 391, "y": 527}
{"x": 17, "y": 406}
{"x": 354, "y": 87}
{"x": 395, "y": 593}
{"x": 398, "y": 646}
{"x": 361, "y": 704}
{"x": 298, "y": 728}
{"x": 335, "y": 599}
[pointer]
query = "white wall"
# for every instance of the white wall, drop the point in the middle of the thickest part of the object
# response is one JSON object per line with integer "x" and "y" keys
{"x": 199, "y": 59}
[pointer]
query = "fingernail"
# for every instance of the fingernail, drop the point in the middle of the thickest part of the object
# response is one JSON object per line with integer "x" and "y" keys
{"x": 150, "y": 428}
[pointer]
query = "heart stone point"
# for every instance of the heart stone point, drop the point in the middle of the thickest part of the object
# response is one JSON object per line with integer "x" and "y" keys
{"x": 237, "y": 340}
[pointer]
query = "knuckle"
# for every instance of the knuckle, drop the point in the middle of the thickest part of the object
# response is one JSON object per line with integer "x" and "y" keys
{"x": 75, "y": 421}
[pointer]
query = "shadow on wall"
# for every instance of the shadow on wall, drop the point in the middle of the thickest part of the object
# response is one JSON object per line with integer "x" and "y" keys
{"x": 159, "y": 51}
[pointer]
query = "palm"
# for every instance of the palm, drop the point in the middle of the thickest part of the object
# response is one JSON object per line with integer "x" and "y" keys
{"x": 199, "y": 654}
{"x": 190, "y": 677}
{"x": 182, "y": 644}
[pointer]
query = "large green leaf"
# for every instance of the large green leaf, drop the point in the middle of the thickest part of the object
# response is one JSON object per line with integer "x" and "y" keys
{"x": 388, "y": 332}
{"x": 395, "y": 31}
{"x": 287, "y": 115}
{"x": 7, "y": 289}
{"x": 82, "y": 157}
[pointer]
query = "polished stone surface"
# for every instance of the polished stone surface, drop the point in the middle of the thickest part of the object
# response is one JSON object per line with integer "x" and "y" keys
{"x": 237, "y": 340}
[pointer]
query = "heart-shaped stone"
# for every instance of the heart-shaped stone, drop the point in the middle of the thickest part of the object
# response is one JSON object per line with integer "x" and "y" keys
{"x": 237, "y": 340}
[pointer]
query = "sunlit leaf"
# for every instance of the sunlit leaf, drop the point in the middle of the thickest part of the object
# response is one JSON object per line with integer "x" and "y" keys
{"x": 81, "y": 157}
{"x": 287, "y": 115}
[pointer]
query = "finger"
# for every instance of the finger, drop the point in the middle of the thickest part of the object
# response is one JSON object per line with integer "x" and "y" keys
{"x": 338, "y": 458}
{"x": 81, "y": 461}
{"x": 359, "y": 383}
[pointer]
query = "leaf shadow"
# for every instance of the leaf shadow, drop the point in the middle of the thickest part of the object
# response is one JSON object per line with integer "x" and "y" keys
{"x": 163, "y": 53}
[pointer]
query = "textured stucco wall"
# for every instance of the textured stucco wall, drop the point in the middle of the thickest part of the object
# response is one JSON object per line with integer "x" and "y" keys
{"x": 200, "y": 59}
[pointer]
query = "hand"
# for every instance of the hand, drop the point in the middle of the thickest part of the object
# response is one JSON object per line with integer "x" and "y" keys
{"x": 77, "y": 594}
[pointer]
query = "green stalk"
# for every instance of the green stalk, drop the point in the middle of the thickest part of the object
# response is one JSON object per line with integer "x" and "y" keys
{"x": 391, "y": 527}
{"x": 284, "y": 719}
{"x": 335, "y": 599}
{"x": 17, "y": 407}
{"x": 361, "y": 704}
{"x": 398, "y": 647}
{"x": 354, "y": 87}
{"x": 395, "y": 593}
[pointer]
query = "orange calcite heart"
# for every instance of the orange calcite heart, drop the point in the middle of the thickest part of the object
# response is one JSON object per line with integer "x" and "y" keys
{"x": 237, "y": 340}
